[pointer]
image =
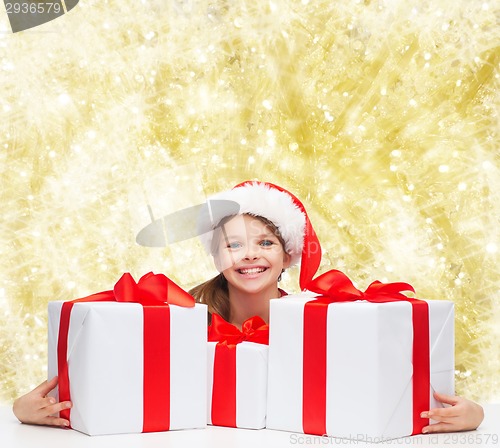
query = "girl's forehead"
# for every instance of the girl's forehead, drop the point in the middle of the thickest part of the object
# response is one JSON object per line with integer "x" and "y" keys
{"x": 246, "y": 224}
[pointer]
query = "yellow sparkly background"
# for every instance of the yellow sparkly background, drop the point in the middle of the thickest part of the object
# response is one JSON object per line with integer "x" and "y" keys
{"x": 382, "y": 116}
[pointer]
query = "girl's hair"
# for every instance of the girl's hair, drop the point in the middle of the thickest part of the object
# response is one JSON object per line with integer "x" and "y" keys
{"x": 215, "y": 292}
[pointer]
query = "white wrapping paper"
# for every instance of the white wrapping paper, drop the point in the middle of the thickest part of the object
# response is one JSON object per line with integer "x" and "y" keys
{"x": 251, "y": 384}
{"x": 105, "y": 363}
{"x": 369, "y": 365}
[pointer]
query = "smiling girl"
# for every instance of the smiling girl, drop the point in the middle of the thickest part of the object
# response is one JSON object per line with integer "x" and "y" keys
{"x": 252, "y": 249}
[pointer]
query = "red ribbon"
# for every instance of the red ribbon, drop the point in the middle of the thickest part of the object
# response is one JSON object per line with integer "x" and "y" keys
{"x": 152, "y": 291}
{"x": 335, "y": 286}
{"x": 252, "y": 330}
{"x": 227, "y": 337}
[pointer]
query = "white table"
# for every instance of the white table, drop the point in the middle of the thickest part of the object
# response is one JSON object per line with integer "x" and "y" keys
{"x": 16, "y": 435}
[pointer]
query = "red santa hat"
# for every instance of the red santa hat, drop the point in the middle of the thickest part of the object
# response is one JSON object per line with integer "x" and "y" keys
{"x": 285, "y": 211}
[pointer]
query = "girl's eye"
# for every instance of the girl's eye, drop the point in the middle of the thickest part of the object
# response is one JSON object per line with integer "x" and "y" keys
{"x": 234, "y": 245}
{"x": 266, "y": 243}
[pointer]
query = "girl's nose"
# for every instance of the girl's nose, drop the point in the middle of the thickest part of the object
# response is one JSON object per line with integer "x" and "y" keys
{"x": 252, "y": 252}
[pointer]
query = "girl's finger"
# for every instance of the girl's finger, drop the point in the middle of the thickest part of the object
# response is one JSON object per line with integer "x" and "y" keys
{"x": 437, "y": 427}
{"x": 439, "y": 413}
{"x": 44, "y": 388}
{"x": 448, "y": 399}
{"x": 56, "y": 421}
{"x": 58, "y": 407}
{"x": 47, "y": 401}
{"x": 447, "y": 420}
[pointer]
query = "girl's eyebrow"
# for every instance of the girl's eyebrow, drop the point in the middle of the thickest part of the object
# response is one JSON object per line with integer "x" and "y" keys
{"x": 266, "y": 235}
{"x": 236, "y": 237}
{"x": 245, "y": 236}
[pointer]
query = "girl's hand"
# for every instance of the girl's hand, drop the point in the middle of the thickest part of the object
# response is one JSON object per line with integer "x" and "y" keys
{"x": 462, "y": 415}
{"x": 38, "y": 409}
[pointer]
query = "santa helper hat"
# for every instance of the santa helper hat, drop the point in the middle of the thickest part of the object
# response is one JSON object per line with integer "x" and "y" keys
{"x": 289, "y": 216}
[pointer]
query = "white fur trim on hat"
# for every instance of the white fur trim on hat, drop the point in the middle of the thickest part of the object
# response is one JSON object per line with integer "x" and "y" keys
{"x": 277, "y": 206}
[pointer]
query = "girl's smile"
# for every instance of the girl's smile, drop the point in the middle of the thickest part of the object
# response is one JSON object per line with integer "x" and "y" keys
{"x": 252, "y": 272}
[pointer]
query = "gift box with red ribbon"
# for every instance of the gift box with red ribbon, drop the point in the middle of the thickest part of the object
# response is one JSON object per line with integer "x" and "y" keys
{"x": 357, "y": 365}
{"x": 132, "y": 359}
{"x": 237, "y": 373}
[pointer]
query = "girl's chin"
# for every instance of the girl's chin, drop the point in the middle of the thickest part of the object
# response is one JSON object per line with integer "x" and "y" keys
{"x": 251, "y": 286}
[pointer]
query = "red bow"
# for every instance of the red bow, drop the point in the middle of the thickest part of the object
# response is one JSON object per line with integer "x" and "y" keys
{"x": 252, "y": 330}
{"x": 152, "y": 289}
{"x": 335, "y": 286}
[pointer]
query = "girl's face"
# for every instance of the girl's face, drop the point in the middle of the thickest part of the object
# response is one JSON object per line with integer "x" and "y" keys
{"x": 250, "y": 254}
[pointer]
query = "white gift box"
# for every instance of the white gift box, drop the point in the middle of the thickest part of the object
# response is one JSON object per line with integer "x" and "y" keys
{"x": 369, "y": 365}
{"x": 251, "y": 384}
{"x": 105, "y": 363}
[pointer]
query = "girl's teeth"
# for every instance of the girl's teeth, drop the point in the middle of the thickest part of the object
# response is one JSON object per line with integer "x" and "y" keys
{"x": 252, "y": 271}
